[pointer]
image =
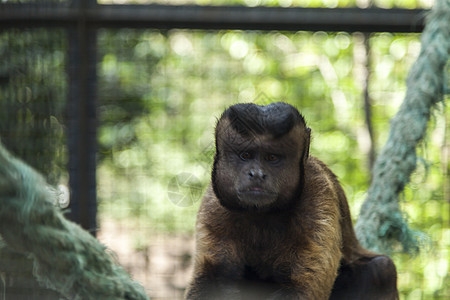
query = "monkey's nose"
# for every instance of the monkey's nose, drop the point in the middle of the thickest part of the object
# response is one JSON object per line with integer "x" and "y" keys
{"x": 256, "y": 174}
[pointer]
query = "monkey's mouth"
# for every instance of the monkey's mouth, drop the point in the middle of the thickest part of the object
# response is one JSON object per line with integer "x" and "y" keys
{"x": 256, "y": 196}
{"x": 256, "y": 189}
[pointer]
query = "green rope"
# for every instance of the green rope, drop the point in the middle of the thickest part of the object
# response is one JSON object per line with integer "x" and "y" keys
{"x": 66, "y": 257}
{"x": 381, "y": 223}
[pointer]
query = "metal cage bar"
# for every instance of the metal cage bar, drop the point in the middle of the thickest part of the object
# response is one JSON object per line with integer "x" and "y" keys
{"x": 215, "y": 17}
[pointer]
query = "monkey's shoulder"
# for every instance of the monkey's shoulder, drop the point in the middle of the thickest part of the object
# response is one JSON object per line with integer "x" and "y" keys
{"x": 316, "y": 168}
{"x": 210, "y": 208}
{"x": 318, "y": 174}
{"x": 322, "y": 192}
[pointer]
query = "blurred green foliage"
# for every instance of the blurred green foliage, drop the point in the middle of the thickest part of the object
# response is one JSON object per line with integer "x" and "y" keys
{"x": 162, "y": 91}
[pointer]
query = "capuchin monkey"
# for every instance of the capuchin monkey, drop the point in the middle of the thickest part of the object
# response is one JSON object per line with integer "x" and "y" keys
{"x": 275, "y": 223}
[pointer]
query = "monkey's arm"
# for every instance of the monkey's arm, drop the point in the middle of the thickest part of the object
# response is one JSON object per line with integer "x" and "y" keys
{"x": 313, "y": 270}
{"x": 315, "y": 257}
{"x": 212, "y": 281}
{"x": 216, "y": 268}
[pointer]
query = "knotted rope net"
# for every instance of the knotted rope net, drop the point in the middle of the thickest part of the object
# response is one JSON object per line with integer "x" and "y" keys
{"x": 66, "y": 257}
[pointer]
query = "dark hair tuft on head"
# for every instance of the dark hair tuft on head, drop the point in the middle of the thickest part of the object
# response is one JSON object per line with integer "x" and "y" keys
{"x": 251, "y": 119}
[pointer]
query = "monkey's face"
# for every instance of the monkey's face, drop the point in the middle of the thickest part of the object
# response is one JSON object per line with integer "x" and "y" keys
{"x": 258, "y": 172}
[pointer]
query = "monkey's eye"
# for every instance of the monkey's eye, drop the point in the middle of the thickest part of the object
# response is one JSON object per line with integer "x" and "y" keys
{"x": 245, "y": 155}
{"x": 272, "y": 157}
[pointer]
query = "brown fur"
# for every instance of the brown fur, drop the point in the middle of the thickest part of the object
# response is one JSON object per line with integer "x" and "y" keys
{"x": 289, "y": 251}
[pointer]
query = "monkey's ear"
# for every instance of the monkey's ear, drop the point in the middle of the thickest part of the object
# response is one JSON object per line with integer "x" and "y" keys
{"x": 306, "y": 144}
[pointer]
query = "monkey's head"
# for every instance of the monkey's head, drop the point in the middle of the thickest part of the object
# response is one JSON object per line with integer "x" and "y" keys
{"x": 260, "y": 157}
